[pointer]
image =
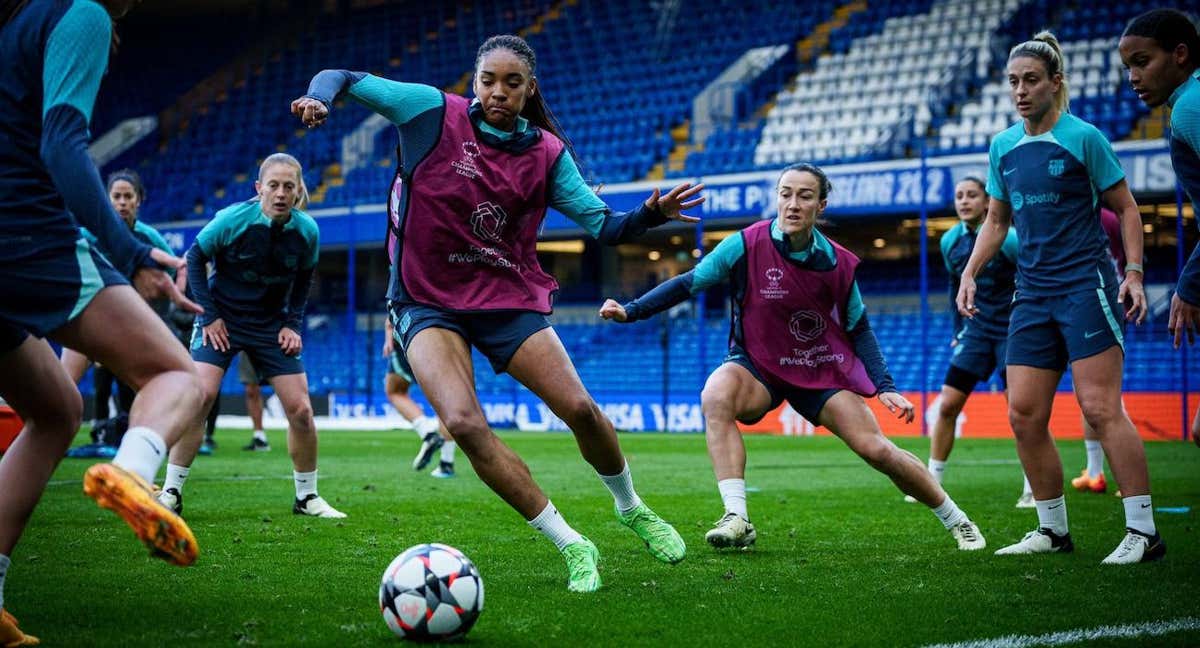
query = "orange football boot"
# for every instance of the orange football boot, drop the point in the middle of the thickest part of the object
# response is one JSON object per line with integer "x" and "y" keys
{"x": 11, "y": 636}
{"x": 160, "y": 529}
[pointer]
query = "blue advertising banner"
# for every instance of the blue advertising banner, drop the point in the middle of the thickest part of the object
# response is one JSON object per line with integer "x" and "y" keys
{"x": 859, "y": 190}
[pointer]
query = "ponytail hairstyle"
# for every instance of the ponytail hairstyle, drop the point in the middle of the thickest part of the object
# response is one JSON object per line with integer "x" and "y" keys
{"x": 535, "y": 111}
{"x": 823, "y": 184}
{"x": 130, "y": 176}
{"x": 1170, "y": 28}
{"x": 1044, "y": 47}
{"x": 284, "y": 158}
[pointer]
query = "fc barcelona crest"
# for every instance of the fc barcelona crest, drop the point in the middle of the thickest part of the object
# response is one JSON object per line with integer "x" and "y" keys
{"x": 1057, "y": 167}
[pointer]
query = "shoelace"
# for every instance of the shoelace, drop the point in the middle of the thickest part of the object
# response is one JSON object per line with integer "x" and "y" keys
{"x": 576, "y": 560}
{"x": 657, "y": 528}
{"x": 725, "y": 518}
{"x": 1129, "y": 543}
{"x": 1031, "y": 535}
{"x": 968, "y": 531}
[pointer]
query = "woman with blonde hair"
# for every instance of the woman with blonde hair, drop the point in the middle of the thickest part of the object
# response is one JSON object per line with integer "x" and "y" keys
{"x": 1049, "y": 174}
{"x": 263, "y": 253}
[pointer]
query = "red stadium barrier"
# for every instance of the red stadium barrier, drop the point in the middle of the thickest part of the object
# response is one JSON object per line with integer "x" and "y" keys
{"x": 10, "y": 425}
{"x": 1155, "y": 414}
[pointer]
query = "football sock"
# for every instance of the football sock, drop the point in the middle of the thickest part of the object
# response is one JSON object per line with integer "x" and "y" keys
{"x": 1026, "y": 488}
{"x": 1052, "y": 514}
{"x": 260, "y": 435}
{"x": 1095, "y": 458}
{"x": 1139, "y": 514}
{"x": 306, "y": 483}
{"x": 176, "y": 476}
{"x": 552, "y": 525}
{"x": 4, "y": 563}
{"x": 448, "y": 451}
{"x": 621, "y": 487}
{"x": 733, "y": 496}
{"x": 937, "y": 468}
{"x": 142, "y": 452}
{"x": 949, "y": 513}
{"x": 424, "y": 425}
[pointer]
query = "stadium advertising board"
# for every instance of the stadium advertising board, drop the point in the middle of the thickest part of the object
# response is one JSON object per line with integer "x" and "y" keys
{"x": 859, "y": 190}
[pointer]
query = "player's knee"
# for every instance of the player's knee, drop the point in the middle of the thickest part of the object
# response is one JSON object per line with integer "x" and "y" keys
{"x": 468, "y": 430}
{"x": 1099, "y": 412}
{"x": 299, "y": 412}
{"x": 582, "y": 414}
{"x": 877, "y": 452}
{"x": 716, "y": 406}
{"x": 1025, "y": 420}
{"x": 949, "y": 409}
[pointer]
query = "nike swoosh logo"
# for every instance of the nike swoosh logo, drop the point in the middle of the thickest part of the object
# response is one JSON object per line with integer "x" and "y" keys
{"x": 1145, "y": 506}
{"x": 1054, "y": 507}
{"x": 1088, "y": 336}
{"x": 1010, "y": 171}
{"x": 152, "y": 447}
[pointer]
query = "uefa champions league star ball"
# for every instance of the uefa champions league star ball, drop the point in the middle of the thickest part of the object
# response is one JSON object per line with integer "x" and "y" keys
{"x": 431, "y": 592}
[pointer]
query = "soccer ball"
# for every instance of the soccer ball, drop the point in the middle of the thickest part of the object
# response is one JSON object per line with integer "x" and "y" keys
{"x": 431, "y": 592}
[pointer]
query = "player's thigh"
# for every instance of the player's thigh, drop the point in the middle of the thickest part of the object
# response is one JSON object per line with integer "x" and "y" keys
{"x": 33, "y": 383}
{"x": 118, "y": 330}
{"x": 736, "y": 390}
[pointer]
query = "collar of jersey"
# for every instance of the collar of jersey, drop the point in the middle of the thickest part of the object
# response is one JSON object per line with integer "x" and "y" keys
{"x": 819, "y": 252}
{"x": 1188, "y": 84}
{"x": 519, "y": 140}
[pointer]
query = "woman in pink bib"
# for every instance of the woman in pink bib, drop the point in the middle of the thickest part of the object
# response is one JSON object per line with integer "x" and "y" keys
{"x": 799, "y": 333}
{"x": 473, "y": 183}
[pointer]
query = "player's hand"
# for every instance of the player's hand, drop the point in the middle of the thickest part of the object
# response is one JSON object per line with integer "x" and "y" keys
{"x": 289, "y": 341}
{"x": 965, "y": 300}
{"x": 1133, "y": 296}
{"x": 953, "y": 342}
{"x": 311, "y": 111}
{"x": 611, "y": 310}
{"x": 672, "y": 203}
{"x": 215, "y": 335}
{"x": 897, "y": 405}
{"x": 388, "y": 344}
{"x": 1185, "y": 318}
{"x": 153, "y": 283}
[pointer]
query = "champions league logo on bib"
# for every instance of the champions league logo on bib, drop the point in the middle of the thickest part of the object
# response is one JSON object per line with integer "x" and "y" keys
{"x": 806, "y": 325}
{"x": 465, "y": 166}
{"x": 488, "y": 221}
{"x": 773, "y": 290}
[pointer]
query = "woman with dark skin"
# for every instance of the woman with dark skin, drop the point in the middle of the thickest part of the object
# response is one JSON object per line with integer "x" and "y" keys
{"x": 56, "y": 285}
{"x": 1161, "y": 50}
{"x": 474, "y": 181}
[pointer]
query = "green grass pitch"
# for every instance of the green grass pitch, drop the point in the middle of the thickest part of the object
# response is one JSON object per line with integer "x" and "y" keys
{"x": 840, "y": 560}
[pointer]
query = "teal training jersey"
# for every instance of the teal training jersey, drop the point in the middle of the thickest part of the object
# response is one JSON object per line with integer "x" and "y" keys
{"x": 256, "y": 262}
{"x": 1053, "y": 182}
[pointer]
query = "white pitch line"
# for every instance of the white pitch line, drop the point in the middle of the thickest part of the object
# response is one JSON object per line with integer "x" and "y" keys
{"x": 1068, "y": 637}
